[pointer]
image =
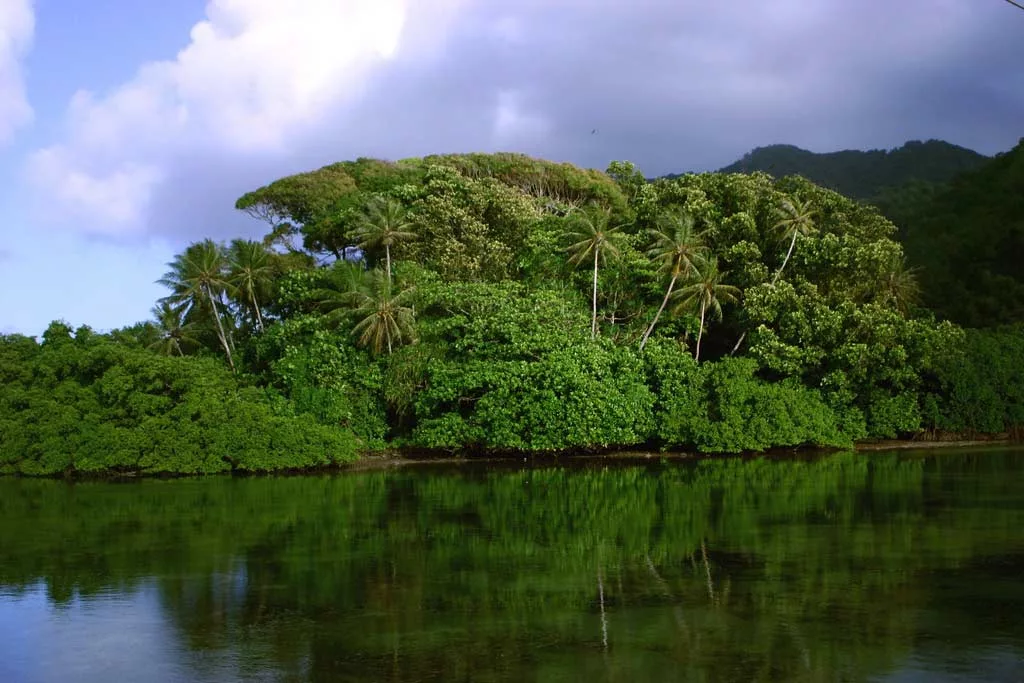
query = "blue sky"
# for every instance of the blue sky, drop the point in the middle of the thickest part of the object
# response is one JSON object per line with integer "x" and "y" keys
{"x": 48, "y": 271}
{"x": 148, "y": 119}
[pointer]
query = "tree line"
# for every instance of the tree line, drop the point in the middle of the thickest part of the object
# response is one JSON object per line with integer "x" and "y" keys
{"x": 504, "y": 303}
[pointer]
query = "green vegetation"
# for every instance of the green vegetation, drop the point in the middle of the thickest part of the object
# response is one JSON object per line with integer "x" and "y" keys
{"x": 86, "y": 403}
{"x": 865, "y": 175}
{"x": 959, "y": 216}
{"x": 500, "y": 302}
{"x": 968, "y": 240}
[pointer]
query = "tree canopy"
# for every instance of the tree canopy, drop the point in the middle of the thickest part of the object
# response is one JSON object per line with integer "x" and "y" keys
{"x": 501, "y": 302}
{"x": 968, "y": 240}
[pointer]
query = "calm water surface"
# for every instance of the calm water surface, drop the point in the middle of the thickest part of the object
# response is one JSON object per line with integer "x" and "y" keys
{"x": 884, "y": 567}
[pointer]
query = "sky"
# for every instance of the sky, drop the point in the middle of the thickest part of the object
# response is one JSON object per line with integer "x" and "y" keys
{"x": 128, "y": 129}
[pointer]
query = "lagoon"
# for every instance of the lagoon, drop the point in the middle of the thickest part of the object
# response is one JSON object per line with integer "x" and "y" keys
{"x": 887, "y": 566}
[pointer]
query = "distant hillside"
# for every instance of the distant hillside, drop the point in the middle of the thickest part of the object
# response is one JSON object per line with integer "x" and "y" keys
{"x": 960, "y": 216}
{"x": 864, "y": 175}
{"x": 968, "y": 238}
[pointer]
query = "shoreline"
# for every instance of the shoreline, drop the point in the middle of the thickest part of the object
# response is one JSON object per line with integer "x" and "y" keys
{"x": 393, "y": 459}
{"x": 898, "y": 444}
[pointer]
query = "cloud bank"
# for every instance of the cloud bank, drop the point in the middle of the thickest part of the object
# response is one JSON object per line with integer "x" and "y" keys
{"x": 17, "y": 24}
{"x": 264, "y": 88}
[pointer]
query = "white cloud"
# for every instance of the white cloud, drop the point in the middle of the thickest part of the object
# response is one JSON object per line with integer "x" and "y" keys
{"x": 255, "y": 74}
{"x": 17, "y": 23}
{"x": 264, "y": 88}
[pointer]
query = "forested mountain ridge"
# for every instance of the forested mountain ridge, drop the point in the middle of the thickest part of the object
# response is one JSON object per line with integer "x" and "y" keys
{"x": 864, "y": 175}
{"x": 968, "y": 240}
{"x": 859, "y": 174}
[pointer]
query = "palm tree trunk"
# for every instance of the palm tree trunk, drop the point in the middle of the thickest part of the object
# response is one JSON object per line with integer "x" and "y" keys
{"x": 700, "y": 333}
{"x": 387, "y": 260}
{"x": 220, "y": 329}
{"x": 256, "y": 307}
{"x": 668, "y": 293}
{"x": 738, "y": 342}
{"x": 593, "y": 321}
{"x": 785, "y": 260}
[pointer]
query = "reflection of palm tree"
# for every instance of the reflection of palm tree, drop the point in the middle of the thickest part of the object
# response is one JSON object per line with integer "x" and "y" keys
{"x": 604, "y": 617}
{"x": 707, "y": 570}
{"x": 795, "y": 218}
{"x": 174, "y": 332}
{"x": 677, "y": 611}
{"x": 250, "y": 275}
{"x": 386, "y": 319}
{"x": 384, "y": 224}
{"x": 706, "y": 293}
{"x": 197, "y": 282}
{"x": 676, "y": 246}
{"x": 593, "y": 239}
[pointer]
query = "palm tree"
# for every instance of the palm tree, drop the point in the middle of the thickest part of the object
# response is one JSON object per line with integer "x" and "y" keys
{"x": 197, "y": 280}
{"x": 677, "y": 247}
{"x": 593, "y": 239}
{"x": 388, "y": 320}
{"x": 174, "y": 331}
{"x": 384, "y": 223}
{"x": 899, "y": 286}
{"x": 345, "y": 283}
{"x": 795, "y": 218}
{"x": 706, "y": 293}
{"x": 250, "y": 275}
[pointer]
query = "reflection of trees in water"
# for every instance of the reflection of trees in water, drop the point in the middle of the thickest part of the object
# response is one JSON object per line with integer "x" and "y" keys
{"x": 722, "y": 570}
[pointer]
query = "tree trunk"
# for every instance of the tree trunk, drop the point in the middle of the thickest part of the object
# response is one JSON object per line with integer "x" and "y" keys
{"x": 256, "y": 307}
{"x": 700, "y": 333}
{"x": 785, "y": 260}
{"x": 387, "y": 260}
{"x": 593, "y": 320}
{"x": 671, "y": 284}
{"x": 220, "y": 329}
{"x": 738, "y": 342}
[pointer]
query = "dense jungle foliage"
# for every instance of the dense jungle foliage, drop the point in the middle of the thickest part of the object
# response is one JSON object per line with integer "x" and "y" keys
{"x": 504, "y": 303}
{"x": 87, "y": 403}
{"x": 867, "y": 175}
{"x": 968, "y": 240}
{"x": 959, "y": 215}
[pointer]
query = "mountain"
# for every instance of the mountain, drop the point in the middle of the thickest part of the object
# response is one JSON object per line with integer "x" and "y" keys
{"x": 968, "y": 240}
{"x": 960, "y": 216}
{"x": 864, "y": 175}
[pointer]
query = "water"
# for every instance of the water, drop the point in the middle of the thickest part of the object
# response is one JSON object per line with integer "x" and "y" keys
{"x": 882, "y": 567}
